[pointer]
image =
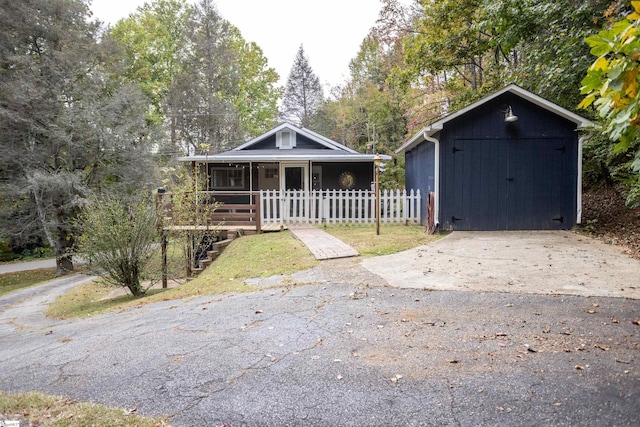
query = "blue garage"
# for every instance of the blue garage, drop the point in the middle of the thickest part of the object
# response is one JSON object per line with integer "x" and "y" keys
{"x": 510, "y": 161}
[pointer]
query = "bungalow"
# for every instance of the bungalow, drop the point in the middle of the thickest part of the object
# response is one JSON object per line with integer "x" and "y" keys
{"x": 287, "y": 160}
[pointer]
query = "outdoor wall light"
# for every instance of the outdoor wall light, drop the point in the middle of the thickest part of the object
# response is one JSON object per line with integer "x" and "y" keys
{"x": 509, "y": 117}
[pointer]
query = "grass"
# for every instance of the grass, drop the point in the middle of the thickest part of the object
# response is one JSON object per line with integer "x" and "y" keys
{"x": 10, "y": 282}
{"x": 43, "y": 410}
{"x": 392, "y": 238}
{"x": 261, "y": 255}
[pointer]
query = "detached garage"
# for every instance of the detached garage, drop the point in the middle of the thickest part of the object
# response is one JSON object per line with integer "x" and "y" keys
{"x": 510, "y": 161}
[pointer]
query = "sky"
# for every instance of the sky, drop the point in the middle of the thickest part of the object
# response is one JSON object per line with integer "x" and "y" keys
{"x": 330, "y": 31}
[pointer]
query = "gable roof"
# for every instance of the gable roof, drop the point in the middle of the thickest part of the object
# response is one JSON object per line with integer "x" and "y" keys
{"x": 315, "y": 137}
{"x": 332, "y": 150}
{"x": 437, "y": 126}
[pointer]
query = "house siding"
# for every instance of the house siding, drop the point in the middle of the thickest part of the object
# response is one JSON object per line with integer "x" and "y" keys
{"x": 420, "y": 174}
{"x": 508, "y": 176}
{"x": 331, "y": 174}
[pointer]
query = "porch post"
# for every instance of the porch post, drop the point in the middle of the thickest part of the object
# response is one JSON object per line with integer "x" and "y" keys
{"x": 376, "y": 163}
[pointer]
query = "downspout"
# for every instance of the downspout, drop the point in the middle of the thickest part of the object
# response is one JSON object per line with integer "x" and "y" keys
{"x": 581, "y": 142}
{"x": 436, "y": 178}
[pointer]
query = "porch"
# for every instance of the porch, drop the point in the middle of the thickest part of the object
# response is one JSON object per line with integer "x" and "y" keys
{"x": 274, "y": 210}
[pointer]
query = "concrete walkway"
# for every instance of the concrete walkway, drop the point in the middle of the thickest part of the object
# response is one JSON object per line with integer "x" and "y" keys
{"x": 322, "y": 245}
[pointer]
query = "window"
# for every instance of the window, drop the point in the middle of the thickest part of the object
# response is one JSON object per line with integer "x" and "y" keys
{"x": 229, "y": 178}
{"x": 285, "y": 140}
{"x": 271, "y": 172}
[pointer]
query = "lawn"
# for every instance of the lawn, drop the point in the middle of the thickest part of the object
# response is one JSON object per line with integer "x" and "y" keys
{"x": 38, "y": 409}
{"x": 23, "y": 279}
{"x": 260, "y": 255}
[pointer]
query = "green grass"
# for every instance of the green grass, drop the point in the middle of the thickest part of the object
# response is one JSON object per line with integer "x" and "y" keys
{"x": 392, "y": 238}
{"x": 10, "y": 282}
{"x": 260, "y": 255}
{"x": 43, "y": 410}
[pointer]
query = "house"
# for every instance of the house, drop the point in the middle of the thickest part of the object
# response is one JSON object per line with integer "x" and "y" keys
{"x": 510, "y": 161}
{"x": 297, "y": 172}
{"x": 288, "y": 158}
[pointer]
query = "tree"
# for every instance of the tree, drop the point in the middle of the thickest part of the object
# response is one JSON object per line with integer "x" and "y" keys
{"x": 118, "y": 236}
{"x": 68, "y": 129}
{"x": 207, "y": 84}
{"x": 613, "y": 80}
{"x": 153, "y": 42}
{"x": 611, "y": 86}
{"x": 188, "y": 204}
{"x": 303, "y": 94}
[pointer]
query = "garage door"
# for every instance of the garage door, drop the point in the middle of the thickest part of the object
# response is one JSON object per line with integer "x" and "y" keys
{"x": 507, "y": 184}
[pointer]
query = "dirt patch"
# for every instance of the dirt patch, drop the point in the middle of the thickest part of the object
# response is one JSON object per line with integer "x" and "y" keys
{"x": 605, "y": 217}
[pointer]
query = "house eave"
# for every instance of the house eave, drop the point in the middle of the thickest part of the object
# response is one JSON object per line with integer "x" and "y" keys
{"x": 283, "y": 158}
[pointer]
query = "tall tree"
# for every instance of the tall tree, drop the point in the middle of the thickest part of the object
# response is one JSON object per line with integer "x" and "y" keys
{"x": 303, "y": 95}
{"x": 153, "y": 40}
{"x": 207, "y": 84}
{"x": 66, "y": 130}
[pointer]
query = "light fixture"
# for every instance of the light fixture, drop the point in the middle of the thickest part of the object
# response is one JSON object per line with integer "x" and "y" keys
{"x": 509, "y": 117}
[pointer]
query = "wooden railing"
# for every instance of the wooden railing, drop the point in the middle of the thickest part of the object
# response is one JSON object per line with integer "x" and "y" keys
{"x": 273, "y": 207}
{"x": 239, "y": 209}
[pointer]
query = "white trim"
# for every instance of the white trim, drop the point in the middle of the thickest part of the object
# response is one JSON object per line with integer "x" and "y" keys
{"x": 436, "y": 179}
{"x": 581, "y": 142}
{"x": 322, "y": 140}
{"x": 430, "y": 130}
{"x": 287, "y": 143}
{"x": 257, "y": 157}
{"x": 305, "y": 174}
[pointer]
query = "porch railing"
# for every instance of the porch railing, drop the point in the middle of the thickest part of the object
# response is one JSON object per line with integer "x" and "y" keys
{"x": 338, "y": 206}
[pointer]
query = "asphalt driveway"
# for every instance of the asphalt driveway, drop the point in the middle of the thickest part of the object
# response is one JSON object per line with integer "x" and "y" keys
{"x": 338, "y": 346}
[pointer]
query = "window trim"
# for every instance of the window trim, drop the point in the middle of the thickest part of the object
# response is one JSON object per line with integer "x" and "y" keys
{"x": 227, "y": 169}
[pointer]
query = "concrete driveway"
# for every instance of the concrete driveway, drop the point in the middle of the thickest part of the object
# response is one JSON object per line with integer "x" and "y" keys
{"x": 532, "y": 262}
{"x": 337, "y": 346}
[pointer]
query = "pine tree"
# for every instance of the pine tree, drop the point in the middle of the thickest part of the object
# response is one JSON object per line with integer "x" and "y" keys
{"x": 303, "y": 95}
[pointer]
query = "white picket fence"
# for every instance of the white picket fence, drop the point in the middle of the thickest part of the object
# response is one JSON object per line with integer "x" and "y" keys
{"x": 338, "y": 207}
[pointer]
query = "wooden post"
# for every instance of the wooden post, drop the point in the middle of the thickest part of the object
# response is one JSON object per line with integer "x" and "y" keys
{"x": 376, "y": 162}
{"x": 190, "y": 240}
{"x": 165, "y": 270}
{"x": 258, "y": 213}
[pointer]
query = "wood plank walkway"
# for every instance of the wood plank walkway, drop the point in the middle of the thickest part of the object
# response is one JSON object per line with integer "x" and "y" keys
{"x": 322, "y": 245}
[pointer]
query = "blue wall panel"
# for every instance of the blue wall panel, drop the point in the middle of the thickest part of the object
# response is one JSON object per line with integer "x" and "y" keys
{"x": 503, "y": 176}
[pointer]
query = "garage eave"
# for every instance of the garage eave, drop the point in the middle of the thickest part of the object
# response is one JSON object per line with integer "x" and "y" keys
{"x": 430, "y": 130}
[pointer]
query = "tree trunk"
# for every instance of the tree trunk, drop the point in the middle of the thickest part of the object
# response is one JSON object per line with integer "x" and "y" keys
{"x": 64, "y": 241}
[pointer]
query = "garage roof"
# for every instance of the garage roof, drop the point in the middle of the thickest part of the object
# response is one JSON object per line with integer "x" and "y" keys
{"x": 437, "y": 126}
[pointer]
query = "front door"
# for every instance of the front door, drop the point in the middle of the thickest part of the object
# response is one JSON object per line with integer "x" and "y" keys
{"x": 294, "y": 186}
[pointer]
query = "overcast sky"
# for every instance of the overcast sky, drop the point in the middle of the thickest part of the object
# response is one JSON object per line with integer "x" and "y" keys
{"x": 330, "y": 30}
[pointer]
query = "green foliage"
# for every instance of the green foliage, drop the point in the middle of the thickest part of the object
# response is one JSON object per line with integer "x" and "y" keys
{"x": 187, "y": 212}
{"x": 68, "y": 128}
{"x": 152, "y": 40}
{"x": 612, "y": 82}
{"x": 205, "y": 82}
{"x": 118, "y": 236}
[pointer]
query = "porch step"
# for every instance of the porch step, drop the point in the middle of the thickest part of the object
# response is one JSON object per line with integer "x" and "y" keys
{"x": 212, "y": 256}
